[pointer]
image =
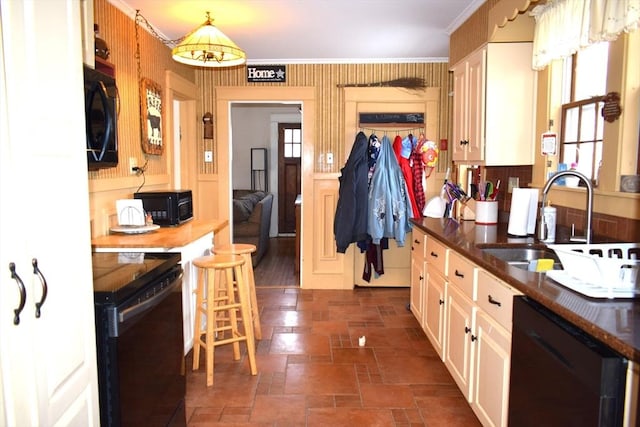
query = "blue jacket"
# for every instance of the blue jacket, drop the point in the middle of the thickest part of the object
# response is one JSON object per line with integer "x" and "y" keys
{"x": 350, "y": 221}
{"x": 389, "y": 205}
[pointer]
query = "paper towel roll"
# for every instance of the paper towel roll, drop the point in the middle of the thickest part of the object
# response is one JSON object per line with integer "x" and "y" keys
{"x": 522, "y": 216}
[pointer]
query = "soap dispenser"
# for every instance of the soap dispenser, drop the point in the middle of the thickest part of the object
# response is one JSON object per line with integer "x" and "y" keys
{"x": 549, "y": 214}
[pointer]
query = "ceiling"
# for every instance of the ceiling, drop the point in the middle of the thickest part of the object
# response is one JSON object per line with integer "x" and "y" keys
{"x": 317, "y": 31}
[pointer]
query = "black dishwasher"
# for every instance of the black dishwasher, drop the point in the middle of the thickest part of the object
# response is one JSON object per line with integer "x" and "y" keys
{"x": 560, "y": 376}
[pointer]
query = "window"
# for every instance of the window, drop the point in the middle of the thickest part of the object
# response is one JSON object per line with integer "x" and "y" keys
{"x": 292, "y": 142}
{"x": 584, "y": 85}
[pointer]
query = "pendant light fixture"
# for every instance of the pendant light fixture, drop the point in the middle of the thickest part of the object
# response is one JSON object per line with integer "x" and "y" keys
{"x": 207, "y": 46}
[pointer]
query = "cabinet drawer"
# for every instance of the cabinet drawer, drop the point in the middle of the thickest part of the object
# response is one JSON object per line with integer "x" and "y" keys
{"x": 418, "y": 244}
{"x": 496, "y": 298}
{"x": 462, "y": 273}
{"x": 437, "y": 256}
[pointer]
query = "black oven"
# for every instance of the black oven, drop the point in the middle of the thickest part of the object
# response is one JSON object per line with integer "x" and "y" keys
{"x": 139, "y": 334}
{"x": 101, "y": 113}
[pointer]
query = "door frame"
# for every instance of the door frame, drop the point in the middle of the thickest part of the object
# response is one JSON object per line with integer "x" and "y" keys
{"x": 306, "y": 98}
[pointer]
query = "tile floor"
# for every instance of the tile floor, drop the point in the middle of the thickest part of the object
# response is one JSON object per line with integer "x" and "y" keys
{"x": 312, "y": 372}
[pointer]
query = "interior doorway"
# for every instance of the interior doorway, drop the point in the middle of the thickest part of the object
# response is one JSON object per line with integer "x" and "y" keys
{"x": 255, "y": 126}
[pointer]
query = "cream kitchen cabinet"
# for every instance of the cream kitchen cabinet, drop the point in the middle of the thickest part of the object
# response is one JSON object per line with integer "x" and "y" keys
{"x": 437, "y": 256}
{"x": 467, "y": 318}
{"x": 491, "y": 365}
{"x": 459, "y": 347}
{"x": 494, "y": 106}
{"x": 418, "y": 273}
{"x": 48, "y": 373}
{"x": 493, "y": 350}
{"x": 460, "y": 321}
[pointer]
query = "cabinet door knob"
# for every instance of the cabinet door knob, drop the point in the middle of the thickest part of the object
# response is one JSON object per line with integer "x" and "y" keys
{"x": 23, "y": 293}
{"x": 457, "y": 273}
{"x": 433, "y": 254}
{"x": 441, "y": 301}
{"x": 45, "y": 288}
{"x": 467, "y": 329}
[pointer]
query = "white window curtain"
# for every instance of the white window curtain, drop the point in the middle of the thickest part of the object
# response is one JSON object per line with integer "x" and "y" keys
{"x": 565, "y": 26}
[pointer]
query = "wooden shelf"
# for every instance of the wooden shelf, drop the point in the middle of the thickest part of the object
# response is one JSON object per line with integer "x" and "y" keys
{"x": 105, "y": 67}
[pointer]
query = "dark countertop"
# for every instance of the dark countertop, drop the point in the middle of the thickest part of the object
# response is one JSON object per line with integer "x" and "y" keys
{"x": 614, "y": 322}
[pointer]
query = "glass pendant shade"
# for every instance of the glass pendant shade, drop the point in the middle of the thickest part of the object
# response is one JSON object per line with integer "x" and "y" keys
{"x": 207, "y": 46}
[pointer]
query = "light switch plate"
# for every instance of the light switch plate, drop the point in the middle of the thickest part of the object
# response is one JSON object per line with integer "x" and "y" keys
{"x": 329, "y": 158}
{"x": 514, "y": 182}
{"x": 208, "y": 156}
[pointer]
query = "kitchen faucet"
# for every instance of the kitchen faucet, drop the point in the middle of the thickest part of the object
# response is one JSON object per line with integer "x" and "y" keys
{"x": 542, "y": 231}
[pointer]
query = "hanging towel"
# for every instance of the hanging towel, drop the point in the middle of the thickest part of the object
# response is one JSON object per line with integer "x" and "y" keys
{"x": 389, "y": 206}
{"x": 350, "y": 221}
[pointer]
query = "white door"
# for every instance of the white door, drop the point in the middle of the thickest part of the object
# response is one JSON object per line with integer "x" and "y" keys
{"x": 48, "y": 363}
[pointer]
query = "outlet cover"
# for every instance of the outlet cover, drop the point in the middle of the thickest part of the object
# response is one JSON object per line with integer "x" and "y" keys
{"x": 133, "y": 163}
{"x": 514, "y": 182}
{"x": 208, "y": 156}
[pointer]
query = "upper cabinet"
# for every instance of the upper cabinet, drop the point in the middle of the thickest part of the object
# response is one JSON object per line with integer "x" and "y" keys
{"x": 494, "y": 106}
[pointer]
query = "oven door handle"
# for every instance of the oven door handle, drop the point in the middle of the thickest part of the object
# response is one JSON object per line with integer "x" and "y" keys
{"x": 148, "y": 304}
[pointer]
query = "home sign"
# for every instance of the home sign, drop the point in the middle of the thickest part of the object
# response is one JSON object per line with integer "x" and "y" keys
{"x": 267, "y": 73}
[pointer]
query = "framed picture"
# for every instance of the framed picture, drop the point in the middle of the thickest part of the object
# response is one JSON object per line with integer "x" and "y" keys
{"x": 151, "y": 117}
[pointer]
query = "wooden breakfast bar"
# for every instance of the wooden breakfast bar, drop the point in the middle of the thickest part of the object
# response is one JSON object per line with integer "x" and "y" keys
{"x": 191, "y": 240}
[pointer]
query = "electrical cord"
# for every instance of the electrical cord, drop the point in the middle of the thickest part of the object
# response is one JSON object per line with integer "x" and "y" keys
{"x": 140, "y": 171}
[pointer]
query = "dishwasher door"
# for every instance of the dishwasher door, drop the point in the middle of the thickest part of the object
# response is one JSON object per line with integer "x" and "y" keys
{"x": 560, "y": 376}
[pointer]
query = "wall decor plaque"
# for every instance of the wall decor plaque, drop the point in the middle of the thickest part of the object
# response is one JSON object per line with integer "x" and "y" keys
{"x": 611, "y": 110}
{"x": 151, "y": 117}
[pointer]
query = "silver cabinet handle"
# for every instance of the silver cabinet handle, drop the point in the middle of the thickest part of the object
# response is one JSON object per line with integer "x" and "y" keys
{"x": 45, "y": 288}
{"x": 23, "y": 293}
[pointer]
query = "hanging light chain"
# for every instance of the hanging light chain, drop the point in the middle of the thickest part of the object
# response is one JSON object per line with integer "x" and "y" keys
{"x": 141, "y": 19}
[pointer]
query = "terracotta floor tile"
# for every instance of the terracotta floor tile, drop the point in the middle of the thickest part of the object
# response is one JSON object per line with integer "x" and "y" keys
{"x": 321, "y": 378}
{"x": 349, "y": 417}
{"x": 298, "y": 343}
{"x": 288, "y": 317}
{"x": 312, "y": 372}
{"x": 360, "y": 355}
{"x": 447, "y": 411}
{"x": 279, "y": 408}
{"x": 413, "y": 370}
{"x": 386, "y": 396}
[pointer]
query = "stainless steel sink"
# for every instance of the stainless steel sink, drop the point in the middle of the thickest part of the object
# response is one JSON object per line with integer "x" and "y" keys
{"x": 521, "y": 257}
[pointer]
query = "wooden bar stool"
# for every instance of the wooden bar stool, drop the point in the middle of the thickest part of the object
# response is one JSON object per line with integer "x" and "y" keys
{"x": 245, "y": 250}
{"x": 216, "y": 272}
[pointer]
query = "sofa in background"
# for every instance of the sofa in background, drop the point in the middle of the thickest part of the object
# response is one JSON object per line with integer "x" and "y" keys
{"x": 252, "y": 219}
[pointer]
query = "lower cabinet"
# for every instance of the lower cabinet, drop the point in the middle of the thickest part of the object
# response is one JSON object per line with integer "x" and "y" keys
{"x": 492, "y": 351}
{"x": 435, "y": 311}
{"x": 459, "y": 351}
{"x": 418, "y": 273}
{"x": 466, "y": 315}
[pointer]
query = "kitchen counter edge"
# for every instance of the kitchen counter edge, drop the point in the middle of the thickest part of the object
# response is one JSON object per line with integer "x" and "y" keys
{"x": 617, "y": 321}
{"x": 164, "y": 237}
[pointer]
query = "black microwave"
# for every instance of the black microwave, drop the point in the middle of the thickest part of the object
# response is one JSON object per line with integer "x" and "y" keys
{"x": 167, "y": 208}
{"x": 101, "y": 113}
